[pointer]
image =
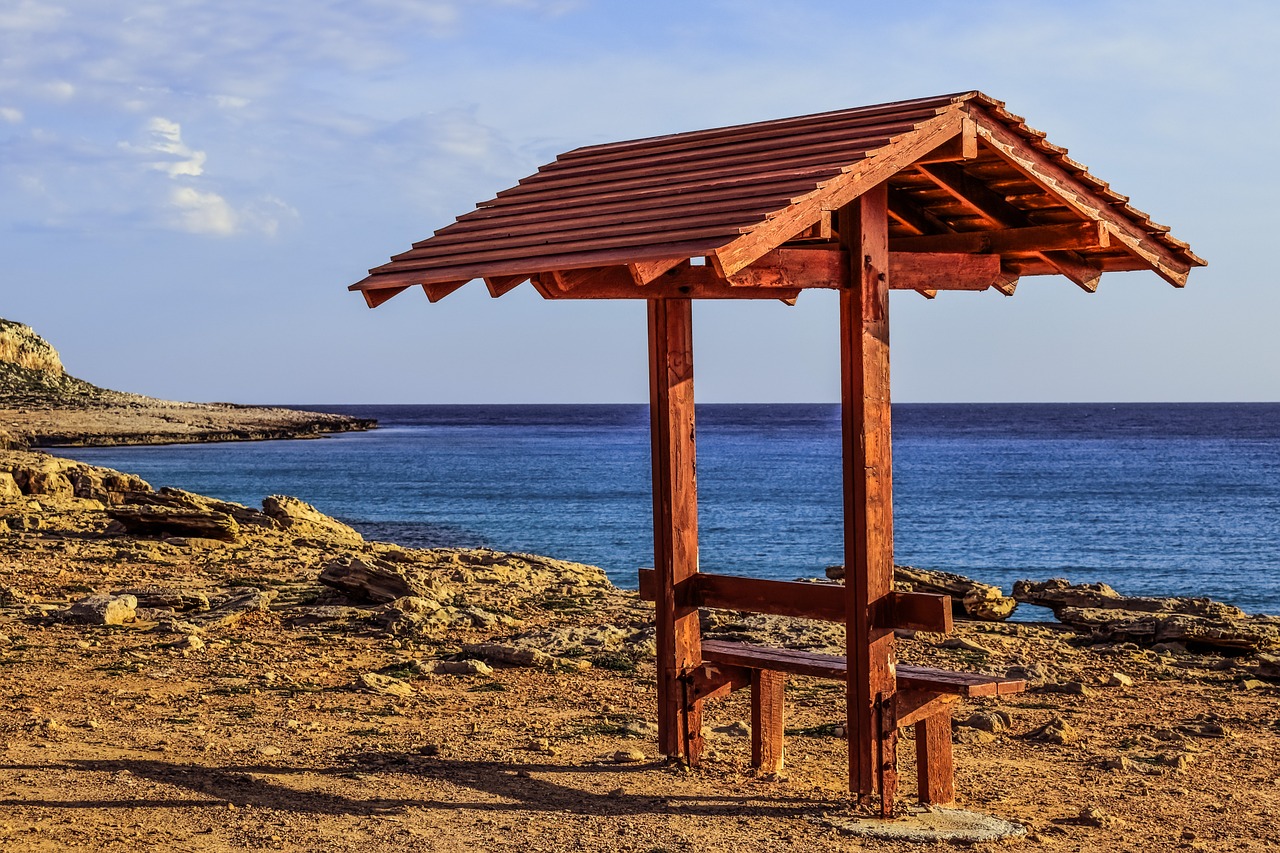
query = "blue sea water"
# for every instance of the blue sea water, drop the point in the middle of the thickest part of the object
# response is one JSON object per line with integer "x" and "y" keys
{"x": 1154, "y": 499}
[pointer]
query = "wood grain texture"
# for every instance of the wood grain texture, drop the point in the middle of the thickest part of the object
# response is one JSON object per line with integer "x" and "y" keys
{"x": 675, "y": 521}
{"x": 868, "y": 493}
{"x": 768, "y": 719}
{"x": 935, "y": 773}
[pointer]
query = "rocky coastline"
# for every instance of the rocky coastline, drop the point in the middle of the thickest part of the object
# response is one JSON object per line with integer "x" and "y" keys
{"x": 241, "y": 677}
{"x": 41, "y": 405}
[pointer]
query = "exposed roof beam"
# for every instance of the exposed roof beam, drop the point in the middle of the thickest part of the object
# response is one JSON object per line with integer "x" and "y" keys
{"x": 501, "y": 284}
{"x": 1035, "y": 238}
{"x": 781, "y": 274}
{"x": 993, "y": 206}
{"x": 643, "y": 272}
{"x": 922, "y": 221}
{"x": 1071, "y": 192}
{"x": 997, "y": 210}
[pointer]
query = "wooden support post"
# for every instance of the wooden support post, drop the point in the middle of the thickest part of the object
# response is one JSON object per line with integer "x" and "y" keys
{"x": 868, "y": 497}
{"x": 675, "y": 522}
{"x": 768, "y": 719}
{"x": 934, "y": 772}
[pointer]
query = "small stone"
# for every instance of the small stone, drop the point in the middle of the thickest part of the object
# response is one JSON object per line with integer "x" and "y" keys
{"x": 542, "y": 745}
{"x": 1094, "y": 816}
{"x": 1119, "y": 679}
{"x": 386, "y": 685}
{"x": 1176, "y": 760}
{"x": 1252, "y": 684}
{"x": 1057, "y": 731}
{"x": 735, "y": 729}
{"x": 454, "y": 667}
{"x": 966, "y": 645}
{"x": 1068, "y": 688}
{"x": 972, "y": 736}
{"x": 268, "y": 750}
{"x": 429, "y": 749}
{"x": 1122, "y": 763}
{"x": 617, "y": 792}
{"x": 628, "y": 756}
{"x": 987, "y": 721}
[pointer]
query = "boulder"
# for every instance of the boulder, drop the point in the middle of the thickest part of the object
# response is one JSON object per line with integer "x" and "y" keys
{"x": 969, "y": 598}
{"x": 379, "y": 581}
{"x": 1058, "y": 594}
{"x": 162, "y": 521}
{"x": 103, "y": 610}
{"x": 302, "y": 519}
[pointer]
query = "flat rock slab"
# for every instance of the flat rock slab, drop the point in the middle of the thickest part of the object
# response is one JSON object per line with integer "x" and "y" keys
{"x": 928, "y": 824}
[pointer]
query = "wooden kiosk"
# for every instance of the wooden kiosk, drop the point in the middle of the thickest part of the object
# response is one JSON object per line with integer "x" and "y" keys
{"x": 943, "y": 193}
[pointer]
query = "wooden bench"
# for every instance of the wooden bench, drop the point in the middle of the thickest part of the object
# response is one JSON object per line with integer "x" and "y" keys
{"x": 923, "y": 696}
{"x": 923, "y": 700}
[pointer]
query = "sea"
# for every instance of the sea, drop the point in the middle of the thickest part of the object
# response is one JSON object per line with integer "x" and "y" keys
{"x": 1154, "y": 499}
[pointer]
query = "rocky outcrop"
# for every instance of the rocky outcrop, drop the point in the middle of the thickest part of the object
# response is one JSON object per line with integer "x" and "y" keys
{"x": 21, "y": 346}
{"x": 969, "y": 598}
{"x": 41, "y": 405}
{"x": 1098, "y": 610}
{"x": 302, "y": 519}
{"x": 24, "y": 474}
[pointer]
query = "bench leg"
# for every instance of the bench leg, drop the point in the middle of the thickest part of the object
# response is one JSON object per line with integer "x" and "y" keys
{"x": 936, "y": 781}
{"x": 767, "y": 719}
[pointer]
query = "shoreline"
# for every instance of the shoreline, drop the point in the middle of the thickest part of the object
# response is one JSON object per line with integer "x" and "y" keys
{"x": 159, "y": 422}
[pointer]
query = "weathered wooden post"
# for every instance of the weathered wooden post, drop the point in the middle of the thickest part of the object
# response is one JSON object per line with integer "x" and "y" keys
{"x": 868, "y": 496}
{"x": 675, "y": 520}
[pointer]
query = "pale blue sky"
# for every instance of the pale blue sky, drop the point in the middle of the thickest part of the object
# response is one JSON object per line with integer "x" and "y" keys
{"x": 187, "y": 187}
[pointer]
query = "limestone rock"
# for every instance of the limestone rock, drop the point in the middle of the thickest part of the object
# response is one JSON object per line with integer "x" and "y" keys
{"x": 157, "y": 597}
{"x": 455, "y": 667}
{"x": 380, "y": 581}
{"x": 1099, "y": 610}
{"x": 987, "y": 721}
{"x": 1057, "y": 731}
{"x": 969, "y": 598}
{"x": 509, "y": 655}
{"x": 1057, "y": 593}
{"x": 1119, "y": 679}
{"x": 302, "y": 519}
{"x": 104, "y": 609}
{"x": 161, "y": 521}
{"x": 9, "y": 489}
{"x": 386, "y": 685}
{"x": 232, "y": 606}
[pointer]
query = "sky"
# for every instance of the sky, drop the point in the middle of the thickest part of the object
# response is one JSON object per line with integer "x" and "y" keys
{"x": 188, "y": 186}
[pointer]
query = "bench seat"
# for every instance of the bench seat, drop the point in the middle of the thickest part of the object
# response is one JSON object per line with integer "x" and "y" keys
{"x": 834, "y": 667}
{"x": 923, "y": 700}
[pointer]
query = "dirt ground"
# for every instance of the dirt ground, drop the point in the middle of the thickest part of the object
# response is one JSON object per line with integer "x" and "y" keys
{"x": 260, "y": 734}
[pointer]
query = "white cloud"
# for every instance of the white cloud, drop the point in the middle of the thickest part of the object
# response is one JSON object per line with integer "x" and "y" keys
{"x": 11, "y": 115}
{"x": 230, "y": 102}
{"x": 203, "y": 212}
{"x": 166, "y": 138}
{"x": 58, "y": 90}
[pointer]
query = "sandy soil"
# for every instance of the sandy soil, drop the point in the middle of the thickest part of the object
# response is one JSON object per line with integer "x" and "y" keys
{"x": 260, "y": 734}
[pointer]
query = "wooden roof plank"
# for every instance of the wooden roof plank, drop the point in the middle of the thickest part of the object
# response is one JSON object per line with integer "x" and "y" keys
{"x": 840, "y": 191}
{"x": 736, "y": 194}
